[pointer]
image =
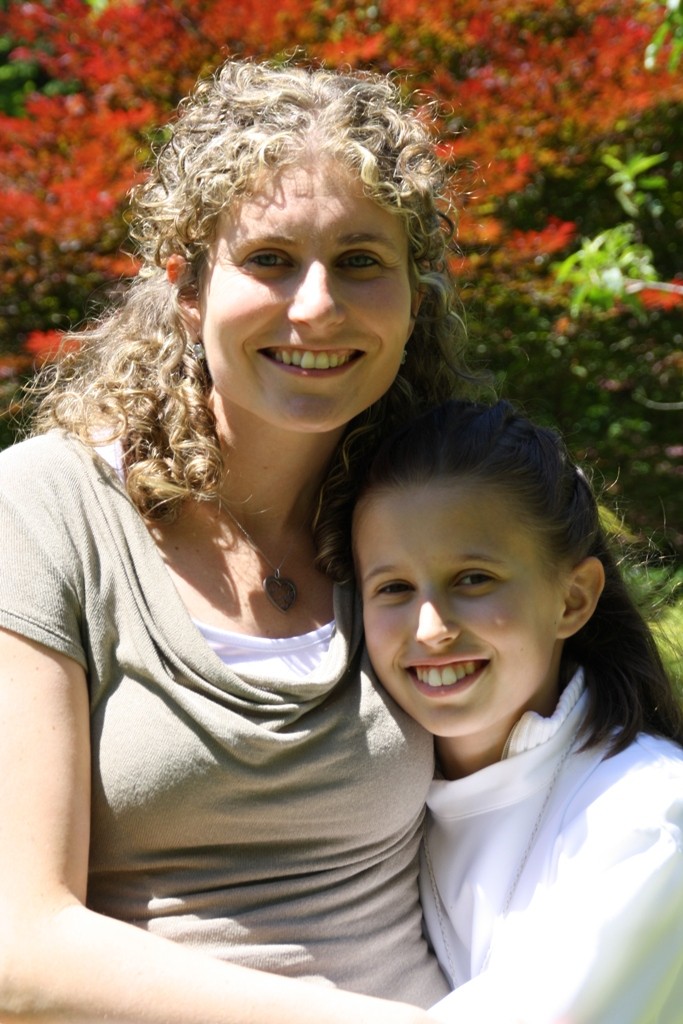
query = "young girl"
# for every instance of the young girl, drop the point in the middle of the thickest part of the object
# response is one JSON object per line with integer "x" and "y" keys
{"x": 496, "y": 616}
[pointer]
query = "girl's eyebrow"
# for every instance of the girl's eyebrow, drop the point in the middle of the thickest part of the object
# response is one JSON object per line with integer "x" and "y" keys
{"x": 467, "y": 556}
{"x": 480, "y": 556}
{"x": 378, "y": 570}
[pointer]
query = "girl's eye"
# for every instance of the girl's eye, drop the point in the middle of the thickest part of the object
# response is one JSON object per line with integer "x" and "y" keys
{"x": 474, "y": 579}
{"x": 397, "y": 587}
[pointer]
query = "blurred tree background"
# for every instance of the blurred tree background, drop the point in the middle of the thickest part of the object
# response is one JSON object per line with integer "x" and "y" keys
{"x": 561, "y": 119}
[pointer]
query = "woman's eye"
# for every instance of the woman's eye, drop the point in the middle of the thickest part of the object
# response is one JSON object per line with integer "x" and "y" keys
{"x": 268, "y": 259}
{"x": 359, "y": 261}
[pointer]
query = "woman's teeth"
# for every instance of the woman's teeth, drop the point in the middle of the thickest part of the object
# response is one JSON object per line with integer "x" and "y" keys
{"x": 447, "y": 674}
{"x": 308, "y": 360}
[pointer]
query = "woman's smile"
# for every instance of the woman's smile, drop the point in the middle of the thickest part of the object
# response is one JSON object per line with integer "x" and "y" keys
{"x": 309, "y": 359}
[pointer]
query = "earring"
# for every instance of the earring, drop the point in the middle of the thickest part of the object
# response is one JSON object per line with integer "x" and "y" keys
{"x": 198, "y": 351}
{"x": 404, "y": 356}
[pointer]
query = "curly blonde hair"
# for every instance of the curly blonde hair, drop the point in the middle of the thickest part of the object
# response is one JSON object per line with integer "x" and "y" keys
{"x": 135, "y": 375}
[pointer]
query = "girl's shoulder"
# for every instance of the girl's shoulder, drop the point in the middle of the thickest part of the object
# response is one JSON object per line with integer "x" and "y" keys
{"x": 648, "y": 756}
{"x": 642, "y": 783}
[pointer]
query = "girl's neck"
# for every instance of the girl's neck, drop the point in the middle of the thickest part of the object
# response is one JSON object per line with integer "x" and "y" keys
{"x": 459, "y": 756}
{"x": 457, "y": 759}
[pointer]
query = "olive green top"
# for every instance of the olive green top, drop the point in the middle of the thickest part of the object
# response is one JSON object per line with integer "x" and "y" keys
{"x": 276, "y": 826}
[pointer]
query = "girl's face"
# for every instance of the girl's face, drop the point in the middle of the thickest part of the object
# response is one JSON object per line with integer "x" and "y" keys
{"x": 306, "y": 303}
{"x": 464, "y": 618}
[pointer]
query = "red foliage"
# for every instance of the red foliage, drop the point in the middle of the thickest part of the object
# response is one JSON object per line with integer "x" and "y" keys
{"x": 553, "y": 238}
{"x": 527, "y": 93}
{"x": 44, "y": 345}
{"x": 653, "y": 298}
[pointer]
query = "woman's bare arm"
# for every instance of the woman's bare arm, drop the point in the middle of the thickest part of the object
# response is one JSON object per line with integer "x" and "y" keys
{"x": 59, "y": 961}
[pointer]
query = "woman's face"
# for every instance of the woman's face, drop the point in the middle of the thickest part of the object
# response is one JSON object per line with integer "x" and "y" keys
{"x": 305, "y": 305}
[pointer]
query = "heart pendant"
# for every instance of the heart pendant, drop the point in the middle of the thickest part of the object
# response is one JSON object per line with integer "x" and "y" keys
{"x": 280, "y": 591}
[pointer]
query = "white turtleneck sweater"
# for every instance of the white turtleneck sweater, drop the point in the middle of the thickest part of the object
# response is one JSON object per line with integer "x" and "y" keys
{"x": 552, "y": 881}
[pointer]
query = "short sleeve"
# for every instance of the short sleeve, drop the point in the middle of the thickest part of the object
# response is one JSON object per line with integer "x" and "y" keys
{"x": 41, "y": 578}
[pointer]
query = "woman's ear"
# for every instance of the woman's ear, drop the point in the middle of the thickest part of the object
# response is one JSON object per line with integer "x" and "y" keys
{"x": 584, "y": 586}
{"x": 178, "y": 274}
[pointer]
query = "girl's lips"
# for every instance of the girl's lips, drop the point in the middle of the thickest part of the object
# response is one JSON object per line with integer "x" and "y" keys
{"x": 447, "y": 675}
{"x": 310, "y": 359}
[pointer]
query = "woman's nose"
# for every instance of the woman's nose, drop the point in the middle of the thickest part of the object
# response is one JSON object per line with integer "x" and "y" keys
{"x": 314, "y": 301}
{"x": 435, "y": 623}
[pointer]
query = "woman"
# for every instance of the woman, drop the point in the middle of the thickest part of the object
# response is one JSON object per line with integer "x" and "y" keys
{"x": 199, "y": 772}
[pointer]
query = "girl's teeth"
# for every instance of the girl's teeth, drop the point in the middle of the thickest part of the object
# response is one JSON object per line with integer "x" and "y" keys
{"x": 308, "y": 360}
{"x": 447, "y": 675}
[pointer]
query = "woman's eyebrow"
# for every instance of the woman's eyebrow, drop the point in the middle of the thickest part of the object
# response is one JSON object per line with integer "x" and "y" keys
{"x": 358, "y": 237}
{"x": 353, "y": 238}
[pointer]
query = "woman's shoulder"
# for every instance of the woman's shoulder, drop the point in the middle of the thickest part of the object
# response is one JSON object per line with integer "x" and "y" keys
{"x": 54, "y": 460}
{"x": 55, "y": 444}
{"x": 55, "y": 482}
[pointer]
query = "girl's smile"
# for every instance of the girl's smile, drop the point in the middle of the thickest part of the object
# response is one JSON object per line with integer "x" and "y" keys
{"x": 446, "y": 677}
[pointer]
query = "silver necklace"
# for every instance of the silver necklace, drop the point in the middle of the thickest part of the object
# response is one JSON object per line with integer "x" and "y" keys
{"x": 280, "y": 591}
{"x": 438, "y": 902}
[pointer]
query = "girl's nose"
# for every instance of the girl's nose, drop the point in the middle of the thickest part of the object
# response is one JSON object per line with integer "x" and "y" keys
{"x": 314, "y": 301}
{"x": 435, "y": 624}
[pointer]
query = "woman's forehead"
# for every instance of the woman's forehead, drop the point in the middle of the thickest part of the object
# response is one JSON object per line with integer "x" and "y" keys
{"x": 323, "y": 195}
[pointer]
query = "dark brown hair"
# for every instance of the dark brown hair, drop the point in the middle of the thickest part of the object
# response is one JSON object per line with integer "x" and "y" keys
{"x": 628, "y": 685}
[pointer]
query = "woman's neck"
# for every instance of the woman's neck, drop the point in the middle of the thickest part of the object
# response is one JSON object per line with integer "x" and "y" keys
{"x": 273, "y": 479}
{"x": 221, "y": 555}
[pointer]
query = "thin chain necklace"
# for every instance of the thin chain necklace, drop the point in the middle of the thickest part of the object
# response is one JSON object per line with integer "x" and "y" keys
{"x": 438, "y": 902}
{"x": 280, "y": 591}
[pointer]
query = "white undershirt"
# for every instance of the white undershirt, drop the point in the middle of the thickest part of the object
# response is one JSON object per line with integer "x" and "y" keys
{"x": 281, "y": 659}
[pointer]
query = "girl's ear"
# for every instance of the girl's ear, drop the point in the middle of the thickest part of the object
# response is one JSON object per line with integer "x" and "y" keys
{"x": 177, "y": 273}
{"x": 584, "y": 585}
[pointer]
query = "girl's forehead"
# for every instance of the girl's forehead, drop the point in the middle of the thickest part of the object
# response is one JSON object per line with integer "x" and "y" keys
{"x": 451, "y": 503}
{"x": 419, "y": 492}
{"x": 451, "y": 517}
